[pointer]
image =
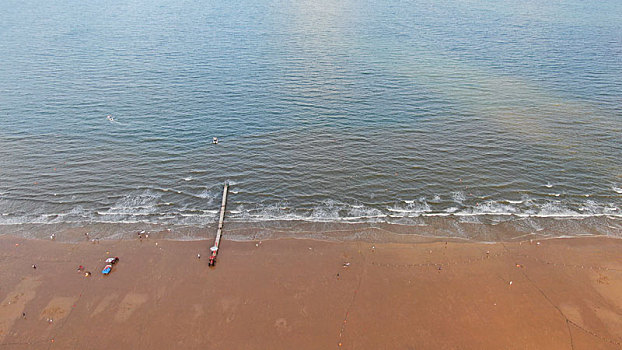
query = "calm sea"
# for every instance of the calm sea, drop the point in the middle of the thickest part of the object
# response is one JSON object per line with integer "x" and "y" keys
{"x": 444, "y": 113}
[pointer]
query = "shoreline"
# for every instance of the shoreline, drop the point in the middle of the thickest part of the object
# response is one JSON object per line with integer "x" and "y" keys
{"x": 309, "y": 294}
{"x": 416, "y": 230}
{"x": 411, "y": 239}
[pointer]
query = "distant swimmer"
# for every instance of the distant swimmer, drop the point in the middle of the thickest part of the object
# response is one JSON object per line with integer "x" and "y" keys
{"x": 110, "y": 118}
{"x": 215, "y": 140}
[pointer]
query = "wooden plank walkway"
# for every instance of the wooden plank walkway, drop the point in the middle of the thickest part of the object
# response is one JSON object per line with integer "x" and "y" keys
{"x": 221, "y": 220}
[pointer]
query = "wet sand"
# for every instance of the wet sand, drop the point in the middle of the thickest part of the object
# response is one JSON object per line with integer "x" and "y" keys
{"x": 297, "y": 294}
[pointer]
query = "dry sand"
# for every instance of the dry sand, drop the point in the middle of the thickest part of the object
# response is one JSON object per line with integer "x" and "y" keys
{"x": 297, "y": 294}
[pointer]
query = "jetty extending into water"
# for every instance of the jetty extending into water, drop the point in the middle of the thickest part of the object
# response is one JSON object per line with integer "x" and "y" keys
{"x": 214, "y": 248}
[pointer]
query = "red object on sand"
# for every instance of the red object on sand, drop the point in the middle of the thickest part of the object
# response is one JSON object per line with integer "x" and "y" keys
{"x": 212, "y": 258}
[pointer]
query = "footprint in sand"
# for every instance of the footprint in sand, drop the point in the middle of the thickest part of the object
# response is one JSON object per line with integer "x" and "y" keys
{"x": 128, "y": 305}
{"x": 103, "y": 305}
{"x": 281, "y": 325}
{"x": 572, "y": 313}
{"x": 198, "y": 311}
{"x": 228, "y": 305}
{"x": 611, "y": 320}
{"x": 14, "y": 304}
{"x": 58, "y": 308}
{"x": 609, "y": 288}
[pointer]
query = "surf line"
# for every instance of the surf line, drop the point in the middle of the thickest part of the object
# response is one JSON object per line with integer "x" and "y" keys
{"x": 214, "y": 248}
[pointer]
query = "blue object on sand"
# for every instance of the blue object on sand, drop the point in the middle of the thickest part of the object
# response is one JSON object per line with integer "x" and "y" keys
{"x": 107, "y": 269}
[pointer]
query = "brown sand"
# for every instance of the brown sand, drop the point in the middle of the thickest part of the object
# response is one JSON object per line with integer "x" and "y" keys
{"x": 297, "y": 294}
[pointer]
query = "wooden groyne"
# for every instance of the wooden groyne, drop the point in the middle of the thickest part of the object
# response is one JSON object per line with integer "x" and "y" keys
{"x": 214, "y": 248}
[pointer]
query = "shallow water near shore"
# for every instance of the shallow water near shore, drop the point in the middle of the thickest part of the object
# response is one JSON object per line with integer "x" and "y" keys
{"x": 442, "y": 119}
{"x": 484, "y": 229}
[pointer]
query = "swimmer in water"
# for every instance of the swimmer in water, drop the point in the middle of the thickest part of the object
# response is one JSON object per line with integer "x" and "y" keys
{"x": 110, "y": 118}
{"x": 215, "y": 140}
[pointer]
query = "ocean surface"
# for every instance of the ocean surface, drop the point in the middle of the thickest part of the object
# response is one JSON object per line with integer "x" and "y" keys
{"x": 445, "y": 117}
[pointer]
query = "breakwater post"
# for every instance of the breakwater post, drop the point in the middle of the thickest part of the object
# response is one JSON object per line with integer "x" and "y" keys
{"x": 214, "y": 249}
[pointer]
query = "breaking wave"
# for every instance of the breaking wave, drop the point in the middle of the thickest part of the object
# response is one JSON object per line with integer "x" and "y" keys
{"x": 169, "y": 208}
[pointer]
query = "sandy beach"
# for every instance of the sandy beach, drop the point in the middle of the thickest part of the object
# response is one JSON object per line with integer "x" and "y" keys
{"x": 305, "y": 294}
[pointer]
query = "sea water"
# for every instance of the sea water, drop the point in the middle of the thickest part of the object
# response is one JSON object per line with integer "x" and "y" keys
{"x": 447, "y": 113}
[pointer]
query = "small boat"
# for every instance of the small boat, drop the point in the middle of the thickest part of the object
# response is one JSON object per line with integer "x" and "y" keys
{"x": 112, "y": 261}
{"x": 107, "y": 269}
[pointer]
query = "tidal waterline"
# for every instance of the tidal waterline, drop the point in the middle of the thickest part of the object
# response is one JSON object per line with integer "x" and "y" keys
{"x": 328, "y": 112}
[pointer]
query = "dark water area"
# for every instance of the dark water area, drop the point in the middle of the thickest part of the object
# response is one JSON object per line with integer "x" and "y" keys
{"x": 448, "y": 118}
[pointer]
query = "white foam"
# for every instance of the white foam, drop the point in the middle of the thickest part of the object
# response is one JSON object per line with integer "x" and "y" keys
{"x": 414, "y": 208}
{"x": 78, "y": 210}
{"x": 554, "y": 210}
{"x": 364, "y": 218}
{"x": 121, "y": 213}
{"x": 204, "y": 194}
{"x": 451, "y": 210}
{"x": 360, "y": 212}
{"x": 188, "y": 215}
{"x": 484, "y": 214}
{"x": 489, "y": 208}
{"x": 135, "y": 203}
{"x": 437, "y": 214}
{"x": 396, "y": 210}
{"x": 144, "y": 206}
{"x": 458, "y": 197}
{"x": 329, "y": 211}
